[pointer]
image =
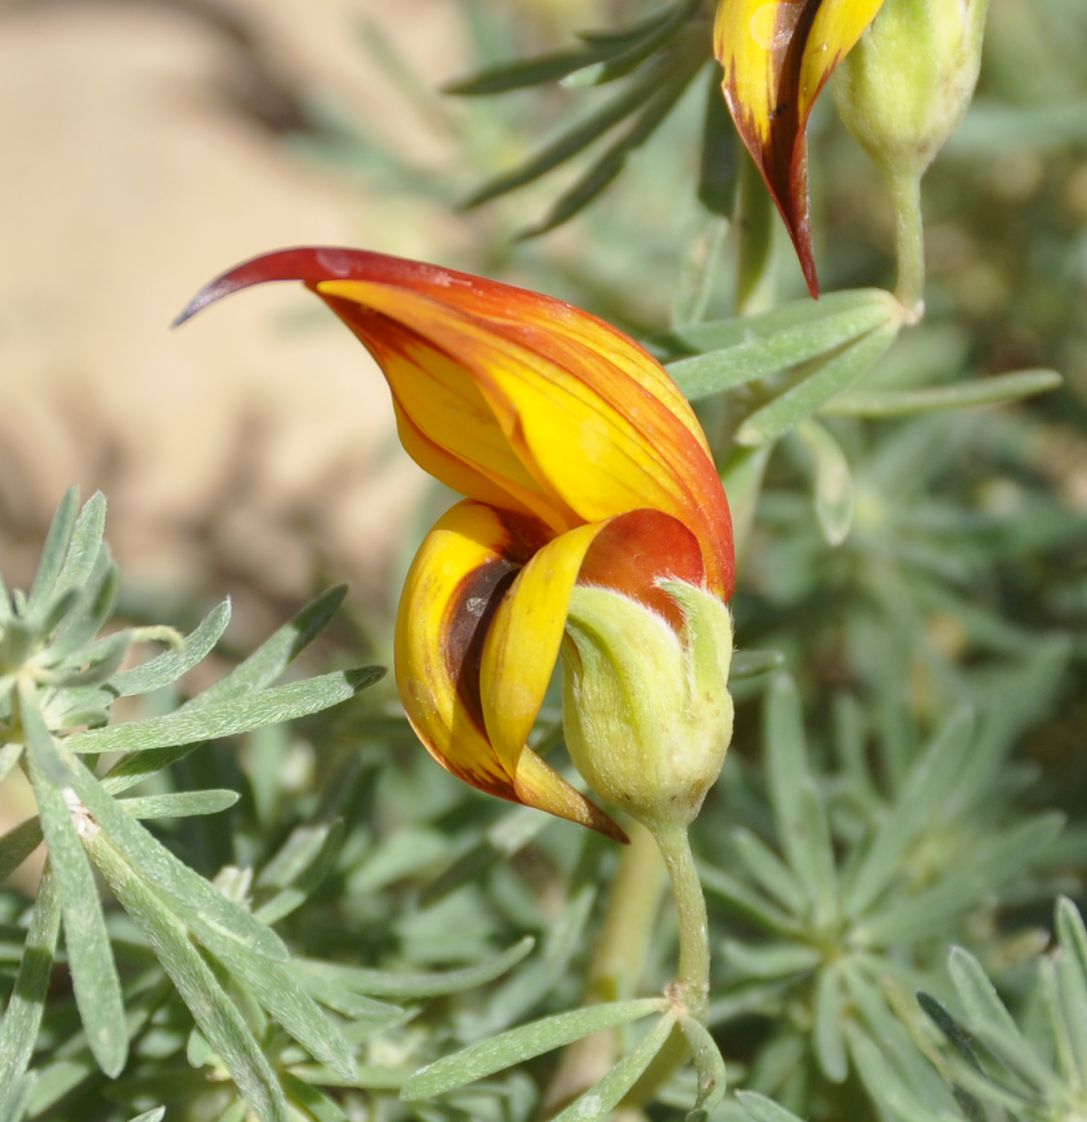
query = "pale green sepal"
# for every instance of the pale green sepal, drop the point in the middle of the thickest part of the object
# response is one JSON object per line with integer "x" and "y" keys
{"x": 647, "y": 712}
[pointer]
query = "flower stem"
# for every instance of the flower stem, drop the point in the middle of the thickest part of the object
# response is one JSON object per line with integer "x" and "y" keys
{"x": 909, "y": 242}
{"x": 691, "y": 990}
{"x": 694, "y": 947}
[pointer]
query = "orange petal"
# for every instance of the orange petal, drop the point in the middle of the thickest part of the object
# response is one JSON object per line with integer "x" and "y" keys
{"x": 628, "y": 553}
{"x": 452, "y": 591}
{"x": 777, "y": 55}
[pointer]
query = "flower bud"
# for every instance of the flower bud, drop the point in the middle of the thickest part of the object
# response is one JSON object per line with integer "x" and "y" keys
{"x": 647, "y": 712}
{"x": 907, "y": 83}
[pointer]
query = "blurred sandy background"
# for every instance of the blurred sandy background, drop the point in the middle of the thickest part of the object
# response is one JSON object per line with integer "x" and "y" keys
{"x": 147, "y": 147}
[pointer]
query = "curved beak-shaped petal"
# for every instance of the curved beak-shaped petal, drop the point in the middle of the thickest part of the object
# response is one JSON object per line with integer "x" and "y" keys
{"x": 580, "y": 460}
{"x": 457, "y": 582}
{"x": 777, "y": 56}
{"x": 517, "y": 399}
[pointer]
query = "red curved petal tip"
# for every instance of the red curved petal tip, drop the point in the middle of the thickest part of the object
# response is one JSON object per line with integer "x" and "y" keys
{"x": 313, "y": 264}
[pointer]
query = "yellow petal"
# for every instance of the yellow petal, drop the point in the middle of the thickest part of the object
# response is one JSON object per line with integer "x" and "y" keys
{"x": 777, "y": 55}
{"x": 453, "y": 588}
{"x": 837, "y": 26}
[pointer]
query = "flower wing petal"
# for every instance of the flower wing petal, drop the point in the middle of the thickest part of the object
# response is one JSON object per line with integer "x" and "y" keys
{"x": 454, "y": 586}
{"x": 628, "y": 553}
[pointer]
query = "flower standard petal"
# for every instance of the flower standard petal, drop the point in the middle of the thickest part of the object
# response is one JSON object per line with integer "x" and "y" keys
{"x": 515, "y": 398}
{"x": 777, "y": 55}
{"x": 454, "y": 586}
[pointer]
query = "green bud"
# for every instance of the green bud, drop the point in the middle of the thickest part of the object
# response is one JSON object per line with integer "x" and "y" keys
{"x": 908, "y": 81}
{"x": 647, "y": 712}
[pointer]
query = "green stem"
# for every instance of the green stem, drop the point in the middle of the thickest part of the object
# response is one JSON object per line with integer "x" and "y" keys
{"x": 691, "y": 991}
{"x": 909, "y": 242}
{"x": 694, "y": 947}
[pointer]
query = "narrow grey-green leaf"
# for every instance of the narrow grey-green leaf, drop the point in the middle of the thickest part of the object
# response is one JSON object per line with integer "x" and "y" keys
{"x": 313, "y": 1104}
{"x": 748, "y": 361}
{"x": 821, "y": 874}
{"x": 302, "y": 848}
{"x": 1072, "y": 933}
{"x": 998, "y": 389}
{"x": 884, "y": 1085}
{"x": 53, "y": 552}
{"x": 521, "y": 73}
{"x": 214, "y": 1013}
{"x": 302, "y": 864}
{"x": 761, "y": 1109}
{"x": 988, "y": 1018}
{"x": 382, "y": 983}
{"x": 276, "y": 653}
{"x": 83, "y": 547}
{"x": 231, "y": 716}
{"x": 726, "y": 353}
{"x": 829, "y": 1029}
{"x": 1064, "y": 1042}
{"x": 833, "y": 482}
{"x": 101, "y": 596}
{"x": 1071, "y": 968}
{"x": 195, "y": 900}
{"x": 699, "y": 268}
{"x": 769, "y": 871}
{"x": 23, "y": 1015}
{"x": 523, "y": 1043}
{"x": 770, "y": 960}
{"x": 574, "y": 140}
{"x": 525, "y": 989}
{"x": 90, "y": 957}
{"x": 15, "y": 1098}
{"x": 171, "y": 665}
{"x": 17, "y": 845}
{"x": 634, "y": 52}
{"x": 277, "y": 991}
{"x": 798, "y": 807}
{"x": 602, "y": 171}
{"x": 181, "y": 804}
{"x": 742, "y": 898}
{"x": 130, "y": 771}
{"x": 597, "y": 1103}
{"x": 816, "y": 384}
{"x": 930, "y": 781}
{"x": 155, "y": 1115}
{"x": 992, "y": 862}
{"x": 708, "y": 1063}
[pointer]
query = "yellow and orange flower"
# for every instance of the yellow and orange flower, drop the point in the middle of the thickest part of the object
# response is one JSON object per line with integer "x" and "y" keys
{"x": 777, "y": 57}
{"x": 580, "y": 462}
